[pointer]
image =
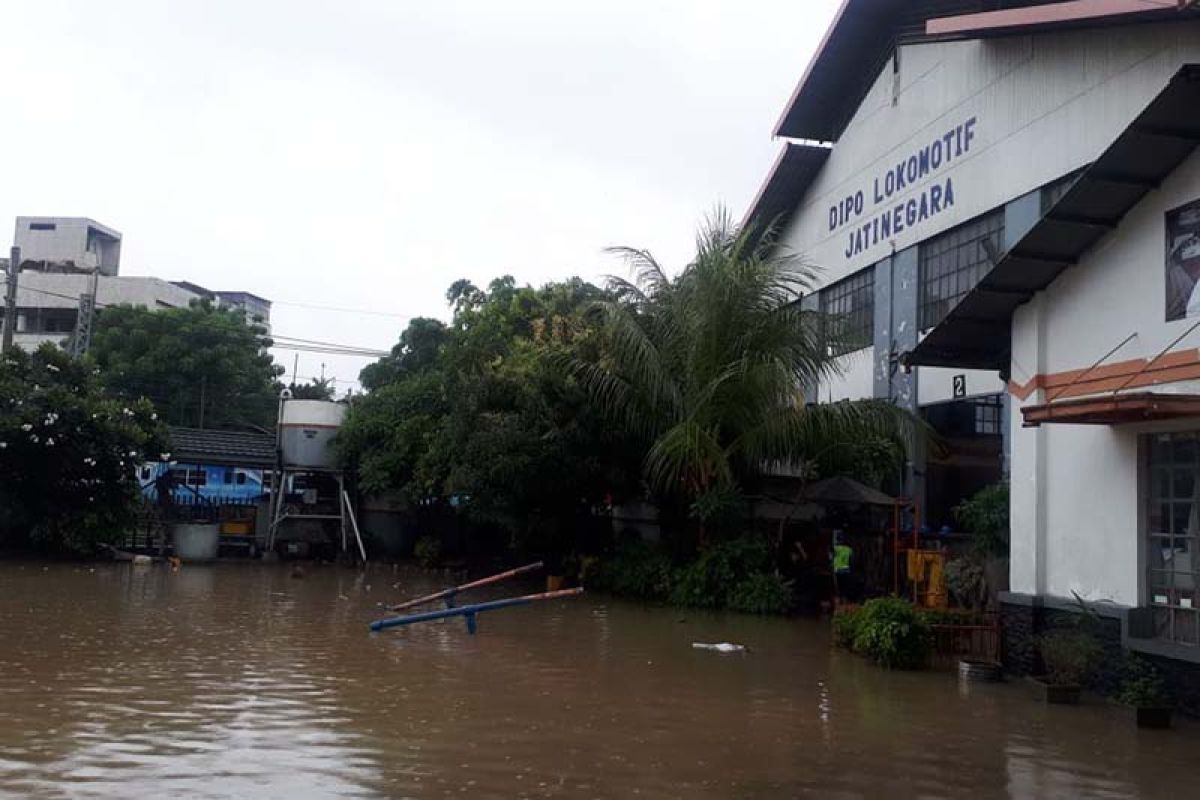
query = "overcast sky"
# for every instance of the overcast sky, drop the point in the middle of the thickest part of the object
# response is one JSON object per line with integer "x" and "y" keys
{"x": 364, "y": 154}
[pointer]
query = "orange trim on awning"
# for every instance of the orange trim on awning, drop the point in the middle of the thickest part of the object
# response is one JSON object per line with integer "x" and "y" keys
{"x": 1121, "y": 409}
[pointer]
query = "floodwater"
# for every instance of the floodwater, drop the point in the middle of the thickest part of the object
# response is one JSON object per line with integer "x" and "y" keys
{"x": 237, "y": 680}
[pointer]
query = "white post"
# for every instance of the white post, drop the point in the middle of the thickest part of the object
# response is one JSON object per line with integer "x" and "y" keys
{"x": 354, "y": 521}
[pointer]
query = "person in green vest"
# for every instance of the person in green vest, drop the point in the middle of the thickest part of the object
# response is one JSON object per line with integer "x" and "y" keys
{"x": 842, "y": 557}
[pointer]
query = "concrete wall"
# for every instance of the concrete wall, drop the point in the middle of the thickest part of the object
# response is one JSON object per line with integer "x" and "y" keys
{"x": 1043, "y": 106}
{"x": 68, "y": 241}
{"x": 1076, "y": 513}
{"x": 57, "y": 290}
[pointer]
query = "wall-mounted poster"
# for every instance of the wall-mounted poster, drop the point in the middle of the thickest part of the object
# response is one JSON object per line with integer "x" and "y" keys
{"x": 1183, "y": 261}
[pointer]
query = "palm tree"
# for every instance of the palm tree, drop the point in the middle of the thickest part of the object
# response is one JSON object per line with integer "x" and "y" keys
{"x": 708, "y": 368}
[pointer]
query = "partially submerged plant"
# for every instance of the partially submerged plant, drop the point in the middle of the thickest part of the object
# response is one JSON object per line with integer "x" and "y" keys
{"x": 1142, "y": 684}
{"x": 1068, "y": 656}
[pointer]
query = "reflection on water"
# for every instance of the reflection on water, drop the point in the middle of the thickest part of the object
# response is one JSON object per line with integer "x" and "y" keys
{"x": 239, "y": 681}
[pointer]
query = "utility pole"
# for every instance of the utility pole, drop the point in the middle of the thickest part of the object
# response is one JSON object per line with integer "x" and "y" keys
{"x": 82, "y": 339}
{"x": 10, "y": 297}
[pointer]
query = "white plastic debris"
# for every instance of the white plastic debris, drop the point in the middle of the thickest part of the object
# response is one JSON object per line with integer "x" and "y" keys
{"x": 720, "y": 647}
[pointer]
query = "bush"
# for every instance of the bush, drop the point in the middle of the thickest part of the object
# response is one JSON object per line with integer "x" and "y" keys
{"x": 638, "y": 569}
{"x": 428, "y": 551}
{"x": 762, "y": 593}
{"x": 68, "y": 454}
{"x": 1068, "y": 656}
{"x": 846, "y": 622}
{"x": 985, "y": 514}
{"x": 893, "y": 635}
{"x": 713, "y": 579}
{"x": 1142, "y": 685}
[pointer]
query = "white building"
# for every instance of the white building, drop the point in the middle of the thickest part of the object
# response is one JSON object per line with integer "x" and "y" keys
{"x": 69, "y": 242}
{"x": 1005, "y": 200}
{"x": 60, "y": 258}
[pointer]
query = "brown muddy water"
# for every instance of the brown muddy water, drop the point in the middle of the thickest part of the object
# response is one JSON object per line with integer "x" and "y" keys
{"x": 237, "y": 680}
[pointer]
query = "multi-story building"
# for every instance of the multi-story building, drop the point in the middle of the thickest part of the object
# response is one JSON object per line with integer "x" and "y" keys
{"x": 61, "y": 257}
{"x": 1004, "y": 197}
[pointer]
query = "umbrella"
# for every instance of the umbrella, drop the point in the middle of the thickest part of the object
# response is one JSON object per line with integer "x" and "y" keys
{"x": 845, "y": 490}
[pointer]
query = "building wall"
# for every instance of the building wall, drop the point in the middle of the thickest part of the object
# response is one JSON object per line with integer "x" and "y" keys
{"x": 67, "y": 241}
{"x": 1042, "y": 106}
{"x": 57, "y": 290}
{"x": 1076, "y": 512}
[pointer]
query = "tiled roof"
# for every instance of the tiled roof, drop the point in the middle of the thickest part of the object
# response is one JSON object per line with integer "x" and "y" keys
{"x": 231, "y": 448}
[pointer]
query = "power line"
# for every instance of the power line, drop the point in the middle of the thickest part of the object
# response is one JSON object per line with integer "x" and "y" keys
{"x": 342, "y": 309}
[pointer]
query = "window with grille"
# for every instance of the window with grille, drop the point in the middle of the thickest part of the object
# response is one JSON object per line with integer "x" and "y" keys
{"x": 1173, "y": 518}
{"x": 953, "y": 262}
{"x": 988, "y": 415}
{"x": 848, "y": 312}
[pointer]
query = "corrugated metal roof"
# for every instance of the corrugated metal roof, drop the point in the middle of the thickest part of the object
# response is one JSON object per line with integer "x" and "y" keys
{"x": 976, "y": 332}
{"x": 228, "y": 448}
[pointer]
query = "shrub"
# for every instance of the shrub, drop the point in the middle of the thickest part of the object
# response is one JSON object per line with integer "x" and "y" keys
{"x": 985, "y": 514}
{"x": 966, "y": 581}
{"x": 892, "y": 634}
{"x": 714, "y": 577}
{"x": 428, "y": 551}
{"x": 637, "y": 569}
{"x": 762, "y": 593}
{"x": 1068, "y": 656}
{"x": 846, "y": 622}
{"x": 1142, "y": 685}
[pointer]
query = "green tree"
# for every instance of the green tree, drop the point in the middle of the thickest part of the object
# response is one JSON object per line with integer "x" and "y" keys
{"x": 316, "y": 389}
{"x": 418, "y": 350}
{"x": 707, "y": 370}
{"x": 482, "y": 411}
{"x": 68, "y": 453}
{"x": 201, "y": 366}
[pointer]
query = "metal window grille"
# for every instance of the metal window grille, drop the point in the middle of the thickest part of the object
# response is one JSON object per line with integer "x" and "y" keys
{"x": 953, "y": 262}
{"x": 988, "y": 415}
{"x": 1173, "y": 519}
{"x": 848, "y": 312}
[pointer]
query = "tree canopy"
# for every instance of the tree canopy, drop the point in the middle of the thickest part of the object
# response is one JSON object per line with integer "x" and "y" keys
{"x": 481, "y": 410}
{"x": 707, "y": 369}
{"x": 201, "y": 366}
{"x": 68, "y": 452}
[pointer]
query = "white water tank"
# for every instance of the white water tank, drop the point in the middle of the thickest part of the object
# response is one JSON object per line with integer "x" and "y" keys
{"x": 306, "y": 432}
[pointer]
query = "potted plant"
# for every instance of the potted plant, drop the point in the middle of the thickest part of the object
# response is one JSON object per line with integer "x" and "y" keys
{"x": 1067, "y": 656}
{"x": 1145, "y": 692}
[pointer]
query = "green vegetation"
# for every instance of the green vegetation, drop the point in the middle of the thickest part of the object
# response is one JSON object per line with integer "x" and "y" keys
{"x": 985, "y": 514}
{"x": 1068, "y": 655}
{"x": 480, "y": 414}
{"x": 736, "y": 574}
{"x": 1142, "y": 684}
{"x": 428, "y": 551}
{"x": 201, "y": 366}
{"x": 703, "y": 369}
{"x": 316, "y": 389}
{"x": 889, "y": 631}
{"x": 534, "y": 407}
{"x": 67, "y": 453}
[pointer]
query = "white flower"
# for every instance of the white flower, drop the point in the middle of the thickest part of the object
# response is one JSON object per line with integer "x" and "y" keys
{"x": 49, "y": 441}
{"x": 164, "y": 456}
{"x": 127, "y": 412}
{"x": 51, "y": 368}
{"x": 3, "y": 445}
{"x": 153, "y": 416}
{"x": 33, "y": 438}
{"x": 26, "y": 427}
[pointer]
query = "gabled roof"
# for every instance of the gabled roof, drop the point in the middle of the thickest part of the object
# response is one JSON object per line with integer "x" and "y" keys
{"x": 790, "y": 177}
{"x": 226, "y": 448}
{"x": 976, "y": 332}
{"x": 865, "y": 32}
